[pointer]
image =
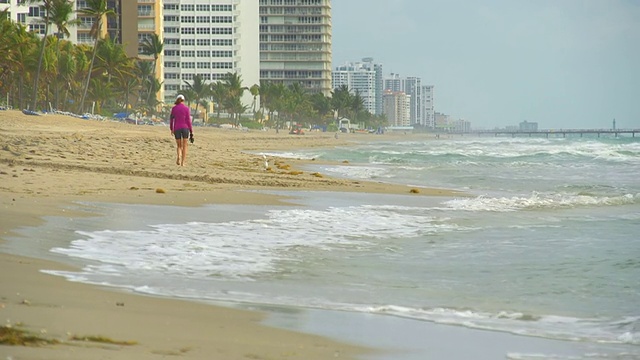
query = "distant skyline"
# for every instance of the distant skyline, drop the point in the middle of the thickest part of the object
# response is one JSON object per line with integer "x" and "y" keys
{"x": 562, "y": 64}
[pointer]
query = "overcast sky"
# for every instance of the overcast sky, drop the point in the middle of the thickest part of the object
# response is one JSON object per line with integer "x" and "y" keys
{"x": 561, "y": 63}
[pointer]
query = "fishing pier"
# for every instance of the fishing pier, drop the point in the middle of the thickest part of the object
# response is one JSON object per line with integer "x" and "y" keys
{"x": 552, "y": 132}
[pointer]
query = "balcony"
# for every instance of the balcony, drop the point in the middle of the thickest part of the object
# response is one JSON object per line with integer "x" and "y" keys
{"x": 146, "y": 27}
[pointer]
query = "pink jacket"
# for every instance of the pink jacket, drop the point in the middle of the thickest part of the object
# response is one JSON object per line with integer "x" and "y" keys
{"x": 180, "y": 118}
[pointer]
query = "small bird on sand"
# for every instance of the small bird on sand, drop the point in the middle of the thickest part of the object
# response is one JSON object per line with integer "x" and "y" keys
{"x": 266, "y": 162}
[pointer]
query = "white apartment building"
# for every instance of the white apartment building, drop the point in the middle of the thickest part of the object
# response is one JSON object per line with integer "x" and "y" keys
{"x": 428, "y": 112}
{"x": 295, "y": 43}
{"x": 397, "y": 107}
{"x": 364, "y": 78}
{"x": 31, "y": 15}
{"x": 210, "y": 38}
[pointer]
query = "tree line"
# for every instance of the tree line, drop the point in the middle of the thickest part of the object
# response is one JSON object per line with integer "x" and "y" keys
{"x": 51, "y": 72}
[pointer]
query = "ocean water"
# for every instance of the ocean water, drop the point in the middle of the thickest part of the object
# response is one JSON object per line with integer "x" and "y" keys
{"x": 546, "y": 245}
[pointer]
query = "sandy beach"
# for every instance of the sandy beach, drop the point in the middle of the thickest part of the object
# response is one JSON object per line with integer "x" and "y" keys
{"x": 48, "y": 162}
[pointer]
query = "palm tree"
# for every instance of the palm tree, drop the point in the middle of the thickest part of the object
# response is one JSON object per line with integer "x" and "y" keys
{"x": 67, "y": 69}
{"x": 144, "y": 70}
{"x": 357, "y": 105}
{"x": 47, "y": 5}
{"x": 234, "y": 92}
{"x": 200, "y": 89}
{"x": 341, "y": 101}
{"x": 321, "y": 104}
{"x": 296, "y": 102}
{"x": 19, "y": 46}
{"x": 152, "y": 46}
{"x": 97, "y": 9}
{"x": 61, "y": 17}
{"x": 112, "y": 62}
{"x": 219, "y": 95}
{"x": 255, "y": 91}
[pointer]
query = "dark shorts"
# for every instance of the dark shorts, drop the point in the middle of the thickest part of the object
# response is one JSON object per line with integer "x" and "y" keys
{"x": 181, "y": 133}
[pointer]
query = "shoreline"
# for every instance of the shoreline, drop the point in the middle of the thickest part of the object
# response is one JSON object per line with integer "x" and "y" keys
{"x": 49, "y": 162}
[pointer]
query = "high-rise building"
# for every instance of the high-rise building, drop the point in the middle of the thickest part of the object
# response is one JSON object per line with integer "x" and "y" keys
{"x": 397, "y": 107}
{"x": 411, "y": 86}
{"x": 422, "y": 97}
{"x": 428, "y": 113}
{"x": 363, "y": 78}
{"x": 210, "y": 38}
{"x": 295, "y": 43}
{"x": 133, "y": 22}
{"x": 30, "y": 15}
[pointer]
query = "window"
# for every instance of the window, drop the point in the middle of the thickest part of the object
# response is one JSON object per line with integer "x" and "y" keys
{"x": 187, "y": 76}
{"x": 35, "y": 11}
{"x": 37, "y": 28}
{"x": 187, "y": 7}
{"x": 171, "y": 18}
{"x": 188, "y": 53}
{"x": 221, "y": 31}
{"x": 220, "y": 53}
{"x": 203, "y": 8}
{"x": 203, "y": 19}
{"x": 204, "y": 65}
{"x": 145, "y": 10}
{"x": 221, "y": 19}
{"x": 188, "y": 19}
{"x": 171, "y": 76}
{"x": 188, "y": 42}
{"x": 188, "y": 65}
{"x": 221, "y": 8}
{"x": 169, "y": 6}
{"x": 222, "y": 65}
{"x": 171, "y": 30}
{"x": 222, "y": 42}
{"x": 171, "y": 53}
{"x": 204, "y": 53}
{"x": 187, "y": 31}
{"x": 84, "y": 38}
{"x": 204, "y": 42}
{"x": 22, "y": 18}
{"x": 172, "y": 41}
{"x": 171, "y": 64}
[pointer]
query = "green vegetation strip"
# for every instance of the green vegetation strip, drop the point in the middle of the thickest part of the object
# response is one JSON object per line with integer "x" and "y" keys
{"x": 13, "y": 336}
{"x": 103, "y": 340}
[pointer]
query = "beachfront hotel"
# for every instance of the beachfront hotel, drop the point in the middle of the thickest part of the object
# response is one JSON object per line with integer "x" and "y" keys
{"x": 295, "y": 43}
{"x": 364, "y": 78}
{"x": 210, "y": 38}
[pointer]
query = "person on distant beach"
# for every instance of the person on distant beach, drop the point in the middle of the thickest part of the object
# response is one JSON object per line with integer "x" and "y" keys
{"x": 181, "y": 128}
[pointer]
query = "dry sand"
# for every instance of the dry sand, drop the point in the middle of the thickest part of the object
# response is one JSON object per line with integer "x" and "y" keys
{"x": 49, "y": 161}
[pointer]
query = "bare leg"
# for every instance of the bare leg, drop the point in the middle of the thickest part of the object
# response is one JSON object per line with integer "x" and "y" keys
{"x": 178, "y": 150}
{"x": 184, "y": 151}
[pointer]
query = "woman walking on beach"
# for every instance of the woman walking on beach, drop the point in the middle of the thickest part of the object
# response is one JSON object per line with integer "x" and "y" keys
{"x": 181, "y": 128}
